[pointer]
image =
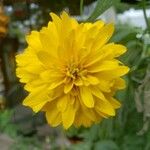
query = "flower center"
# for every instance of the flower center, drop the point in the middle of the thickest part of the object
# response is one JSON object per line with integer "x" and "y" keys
{"x": 72, "y": 71}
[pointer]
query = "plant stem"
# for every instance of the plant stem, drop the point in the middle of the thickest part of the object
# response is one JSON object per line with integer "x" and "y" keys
{"x": 145, "y": 15}
{"x": 81, "y": 7}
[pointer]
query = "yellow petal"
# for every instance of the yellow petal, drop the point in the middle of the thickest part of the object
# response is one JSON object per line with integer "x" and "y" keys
{"x": 96, "y": 92}
{"x": 51, "y": 76}
{"x": 55, "y": 84}
{"x": 115, "y": 73}
{"x": 68, "y": 116}
{"x": 103, "y": 66}
{"x": 32, "y": 86}
{"x": 115, "y": 103}
{"x": 85, "y": 81}
{"x": 103, "y": 36}
{"x": 68, "y": 87}
{"x": 55, "y": 18}
{"x": 28, "y": 57}
{"x": 21, "y": 60}
{"x": 99, "y": 24}
{"x": 86, "y": 97}
{"x": 104, "y": 86}
{"x": 82, "y": 120}
{"x": 34, "y": 40}
{"x": 92, "y": 80}
{"x": 49, "y": 41}
{"x": 53, "y": 116}
{"x": 34, "y": 68}
{"x": 62, "y": 103}
{"x": 103, "y": 115}
{"x": 37, "y": 99}
{"x": 67, "y": 21}
{"x": 78, "y": 82}
{"x": 120, "y": 83}
{"x": 64, "y": 25}
{"x": 25, "y": 76}
{"x": 112, "y": 50}
{"x": 45, "y": 57}
{"x": 89, "y": 113}
{"x": 107, "y": 52}
{"x": 104, "y": 107}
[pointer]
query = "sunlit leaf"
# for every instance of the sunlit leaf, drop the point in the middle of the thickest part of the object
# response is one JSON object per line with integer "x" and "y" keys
{"x": 101, "y": 7}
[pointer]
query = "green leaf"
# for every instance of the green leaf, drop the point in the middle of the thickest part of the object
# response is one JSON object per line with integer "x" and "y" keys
{"x": 106, "y": 145}
{"x": 133, "y": 142}
{"x": 102, "y": 6}
{"x": 91, "y": 134}
{"x": 81, "y": 146}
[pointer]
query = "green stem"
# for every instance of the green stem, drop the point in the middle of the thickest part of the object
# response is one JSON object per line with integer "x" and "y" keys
{"x": 145, "y": 15}
{"x": 81, "y": 7}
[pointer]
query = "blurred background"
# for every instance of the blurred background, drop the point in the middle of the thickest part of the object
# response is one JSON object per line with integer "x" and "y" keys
{"x": 21, "y": 129}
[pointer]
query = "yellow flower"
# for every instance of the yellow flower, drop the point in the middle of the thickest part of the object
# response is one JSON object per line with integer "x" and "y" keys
{"x": 70, "y": 71}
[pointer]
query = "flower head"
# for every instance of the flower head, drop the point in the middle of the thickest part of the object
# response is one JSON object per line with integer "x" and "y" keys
{"x": 71, "y": 72}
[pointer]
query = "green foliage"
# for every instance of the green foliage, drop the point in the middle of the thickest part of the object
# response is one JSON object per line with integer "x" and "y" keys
{"x": 81, "y": 146}
{"x": 101, "y": 6}
{"x": 105, "y": 145}
{"x": 6, "y": 126}
{"x": 9, "y": 128}
{"x": 133, "y": 142}
{"x": 26, "y": 144}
